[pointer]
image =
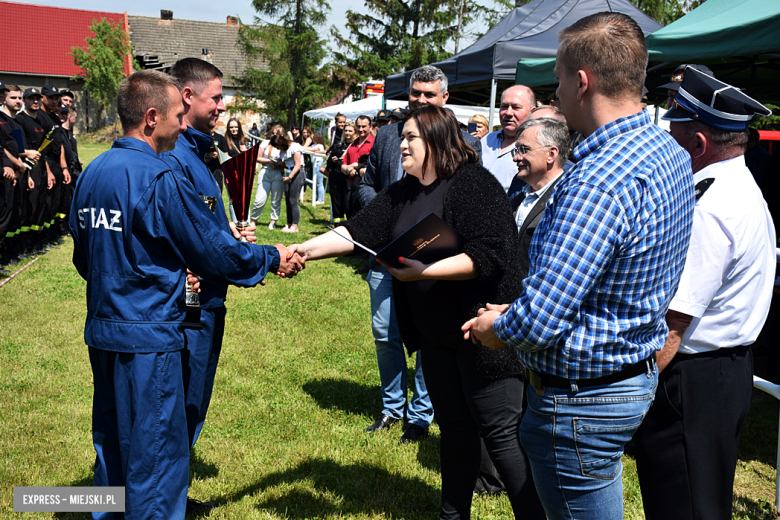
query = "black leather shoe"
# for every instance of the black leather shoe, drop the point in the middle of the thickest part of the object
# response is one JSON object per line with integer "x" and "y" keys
{"x": 382, "y": 422}
{"x": 196, "y": 507}
{"x": 413, "y": 433}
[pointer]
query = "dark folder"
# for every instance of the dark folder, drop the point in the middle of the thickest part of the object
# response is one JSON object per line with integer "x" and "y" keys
{"x": 428, "y": 241}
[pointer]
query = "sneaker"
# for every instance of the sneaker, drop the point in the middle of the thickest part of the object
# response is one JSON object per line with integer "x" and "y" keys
{"x": 272, "y": 225}
{"x": 286, "y": 229}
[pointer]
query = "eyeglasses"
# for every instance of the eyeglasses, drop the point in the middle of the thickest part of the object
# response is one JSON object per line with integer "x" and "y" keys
{"x": 524, "y": 149}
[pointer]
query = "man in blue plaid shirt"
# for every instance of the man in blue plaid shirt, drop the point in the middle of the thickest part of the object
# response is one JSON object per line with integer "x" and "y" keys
{"x": 605, "y": 263}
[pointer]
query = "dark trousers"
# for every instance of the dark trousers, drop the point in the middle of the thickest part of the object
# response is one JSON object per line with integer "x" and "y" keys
{"x": 292, "y": 191}
{"x": 469, "y": 406}
{"x": 337, "y": 183}
{"x": 687, "y": 444}
{"x": 37, "y": 197}
{"x": 6, "y": 207}
{"x": 199, "y": 366}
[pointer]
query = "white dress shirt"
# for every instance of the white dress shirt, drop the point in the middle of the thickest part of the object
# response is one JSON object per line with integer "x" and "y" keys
{"x": 499, "y": 163}
{"x": 729, "y": 272}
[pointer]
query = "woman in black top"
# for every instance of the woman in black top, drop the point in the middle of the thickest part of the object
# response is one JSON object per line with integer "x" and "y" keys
{"x": 236, "y": 140}
{"x": 475, "y": 392}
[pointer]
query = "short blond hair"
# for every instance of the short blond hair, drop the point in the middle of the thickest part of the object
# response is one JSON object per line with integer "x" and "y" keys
{"x": 479, "y": 118}
{"x": 611, "y": 46}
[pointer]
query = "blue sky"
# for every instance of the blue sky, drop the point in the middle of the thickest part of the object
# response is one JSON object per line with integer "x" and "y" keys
{"x": 204, "y": 10}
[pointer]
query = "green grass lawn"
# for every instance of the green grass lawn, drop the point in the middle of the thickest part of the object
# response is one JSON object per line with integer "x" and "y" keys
{"x": 297, "y": 384}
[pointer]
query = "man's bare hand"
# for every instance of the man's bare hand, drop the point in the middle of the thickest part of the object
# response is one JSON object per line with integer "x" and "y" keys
{"x": 66, "y": 177}
{"x": 9, "y": 173}
{"x": 248, "y": 232}
{"x": 30, "y": 183}
{"x": 33, "y": 155}
{"x": 50, "y": 181}
{"x": 480, "y": 329}
{"x": 193, "y": 280}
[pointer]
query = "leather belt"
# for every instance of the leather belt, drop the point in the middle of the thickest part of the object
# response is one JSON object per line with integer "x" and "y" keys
{"x": 539, "y": 381}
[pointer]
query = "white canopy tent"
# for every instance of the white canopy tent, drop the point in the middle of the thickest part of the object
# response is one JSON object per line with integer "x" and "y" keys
{"x": 370, "y": 106}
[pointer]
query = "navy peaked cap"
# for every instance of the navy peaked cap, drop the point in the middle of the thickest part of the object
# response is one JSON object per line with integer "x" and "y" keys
{"x": 720, "y": 105}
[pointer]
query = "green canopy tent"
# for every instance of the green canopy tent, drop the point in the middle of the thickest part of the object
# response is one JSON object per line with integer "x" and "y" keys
{"x": 738, "y": 39}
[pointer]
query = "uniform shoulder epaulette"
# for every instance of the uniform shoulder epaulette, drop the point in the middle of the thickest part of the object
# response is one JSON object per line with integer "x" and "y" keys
{"x": 702, "y": 186}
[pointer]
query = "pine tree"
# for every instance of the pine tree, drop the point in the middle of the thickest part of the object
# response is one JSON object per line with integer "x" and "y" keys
{"x": 296, "y": 79}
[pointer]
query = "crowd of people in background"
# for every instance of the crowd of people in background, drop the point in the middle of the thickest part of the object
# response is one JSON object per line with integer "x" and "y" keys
{"x": 40, "y": 162}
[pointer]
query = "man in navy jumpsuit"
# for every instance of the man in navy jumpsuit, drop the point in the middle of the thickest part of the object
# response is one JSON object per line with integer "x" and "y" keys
{"x": 136, "y": 227}
{"x": 202, "y": 98}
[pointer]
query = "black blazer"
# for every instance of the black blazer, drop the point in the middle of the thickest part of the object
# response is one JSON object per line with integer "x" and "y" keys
{"x": 526, "y": 232}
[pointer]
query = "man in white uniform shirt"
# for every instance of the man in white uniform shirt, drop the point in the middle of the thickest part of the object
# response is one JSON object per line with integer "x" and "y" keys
{"x": 497, "y": 154}
{"x": 687, "y": 444}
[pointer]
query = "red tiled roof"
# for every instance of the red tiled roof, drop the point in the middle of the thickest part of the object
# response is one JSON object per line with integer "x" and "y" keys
{"x": 23, "y": 50}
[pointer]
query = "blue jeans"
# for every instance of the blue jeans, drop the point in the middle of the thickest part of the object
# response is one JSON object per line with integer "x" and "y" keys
{"x": 320, "y": 181}
{"x": 574, "y": 439}
{"x": 391, "y": 356}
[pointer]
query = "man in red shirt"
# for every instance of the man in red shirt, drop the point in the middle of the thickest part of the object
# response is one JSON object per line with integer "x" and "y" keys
{"x": 352, "y": 166}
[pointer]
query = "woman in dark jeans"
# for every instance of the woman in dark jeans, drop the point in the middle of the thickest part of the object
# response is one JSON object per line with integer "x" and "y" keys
{"x": 293, "y": 181}
{"x": 475, "y": 392}
{"x": 337, "y": 180}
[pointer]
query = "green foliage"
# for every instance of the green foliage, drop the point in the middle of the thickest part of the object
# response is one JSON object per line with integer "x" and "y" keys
{"x": 295, "y": 79}
{"x": 767, "y": 123}
{"x": 666, "y": 11}
{"x": 396, "y": 35}
{"x": 102, "y": 62}
{"x": 392, "y": 36}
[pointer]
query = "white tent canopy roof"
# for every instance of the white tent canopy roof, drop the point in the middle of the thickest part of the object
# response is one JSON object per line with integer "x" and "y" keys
{"x": 370, "y": 106}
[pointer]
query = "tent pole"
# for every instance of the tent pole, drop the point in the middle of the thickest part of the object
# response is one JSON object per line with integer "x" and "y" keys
{"x": 493, "y": 84}
{"x": 657, "y": 112}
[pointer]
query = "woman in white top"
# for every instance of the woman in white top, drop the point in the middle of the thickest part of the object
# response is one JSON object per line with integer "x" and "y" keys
{"x": 272, "y": 182}
{"x": 293, "y": 181}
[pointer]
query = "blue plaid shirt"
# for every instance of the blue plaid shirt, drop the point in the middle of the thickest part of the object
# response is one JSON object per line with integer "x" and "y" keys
{"x": 607, "y": 256}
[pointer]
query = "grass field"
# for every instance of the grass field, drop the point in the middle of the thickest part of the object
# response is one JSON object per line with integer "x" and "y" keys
{"x": 297, "y": 384}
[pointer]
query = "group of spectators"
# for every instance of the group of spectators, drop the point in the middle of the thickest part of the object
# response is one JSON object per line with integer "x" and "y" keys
{"x": 610, "y": 265}
{"x": 40, "y": 162}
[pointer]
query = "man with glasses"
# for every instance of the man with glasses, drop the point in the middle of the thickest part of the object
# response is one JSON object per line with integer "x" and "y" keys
{"x": 540, "y": 155}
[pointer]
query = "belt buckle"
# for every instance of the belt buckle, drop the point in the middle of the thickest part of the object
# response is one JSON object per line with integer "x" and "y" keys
{"x": 536, "y": 381}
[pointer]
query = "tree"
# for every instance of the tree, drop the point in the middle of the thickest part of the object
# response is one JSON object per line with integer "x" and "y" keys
{"x": 103, "y": 60}
{"x": 666, "y": 11}
{"x": 396, "y": 35}
{"x": 393, "y": 36}
{"x": 295, "y": 79}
